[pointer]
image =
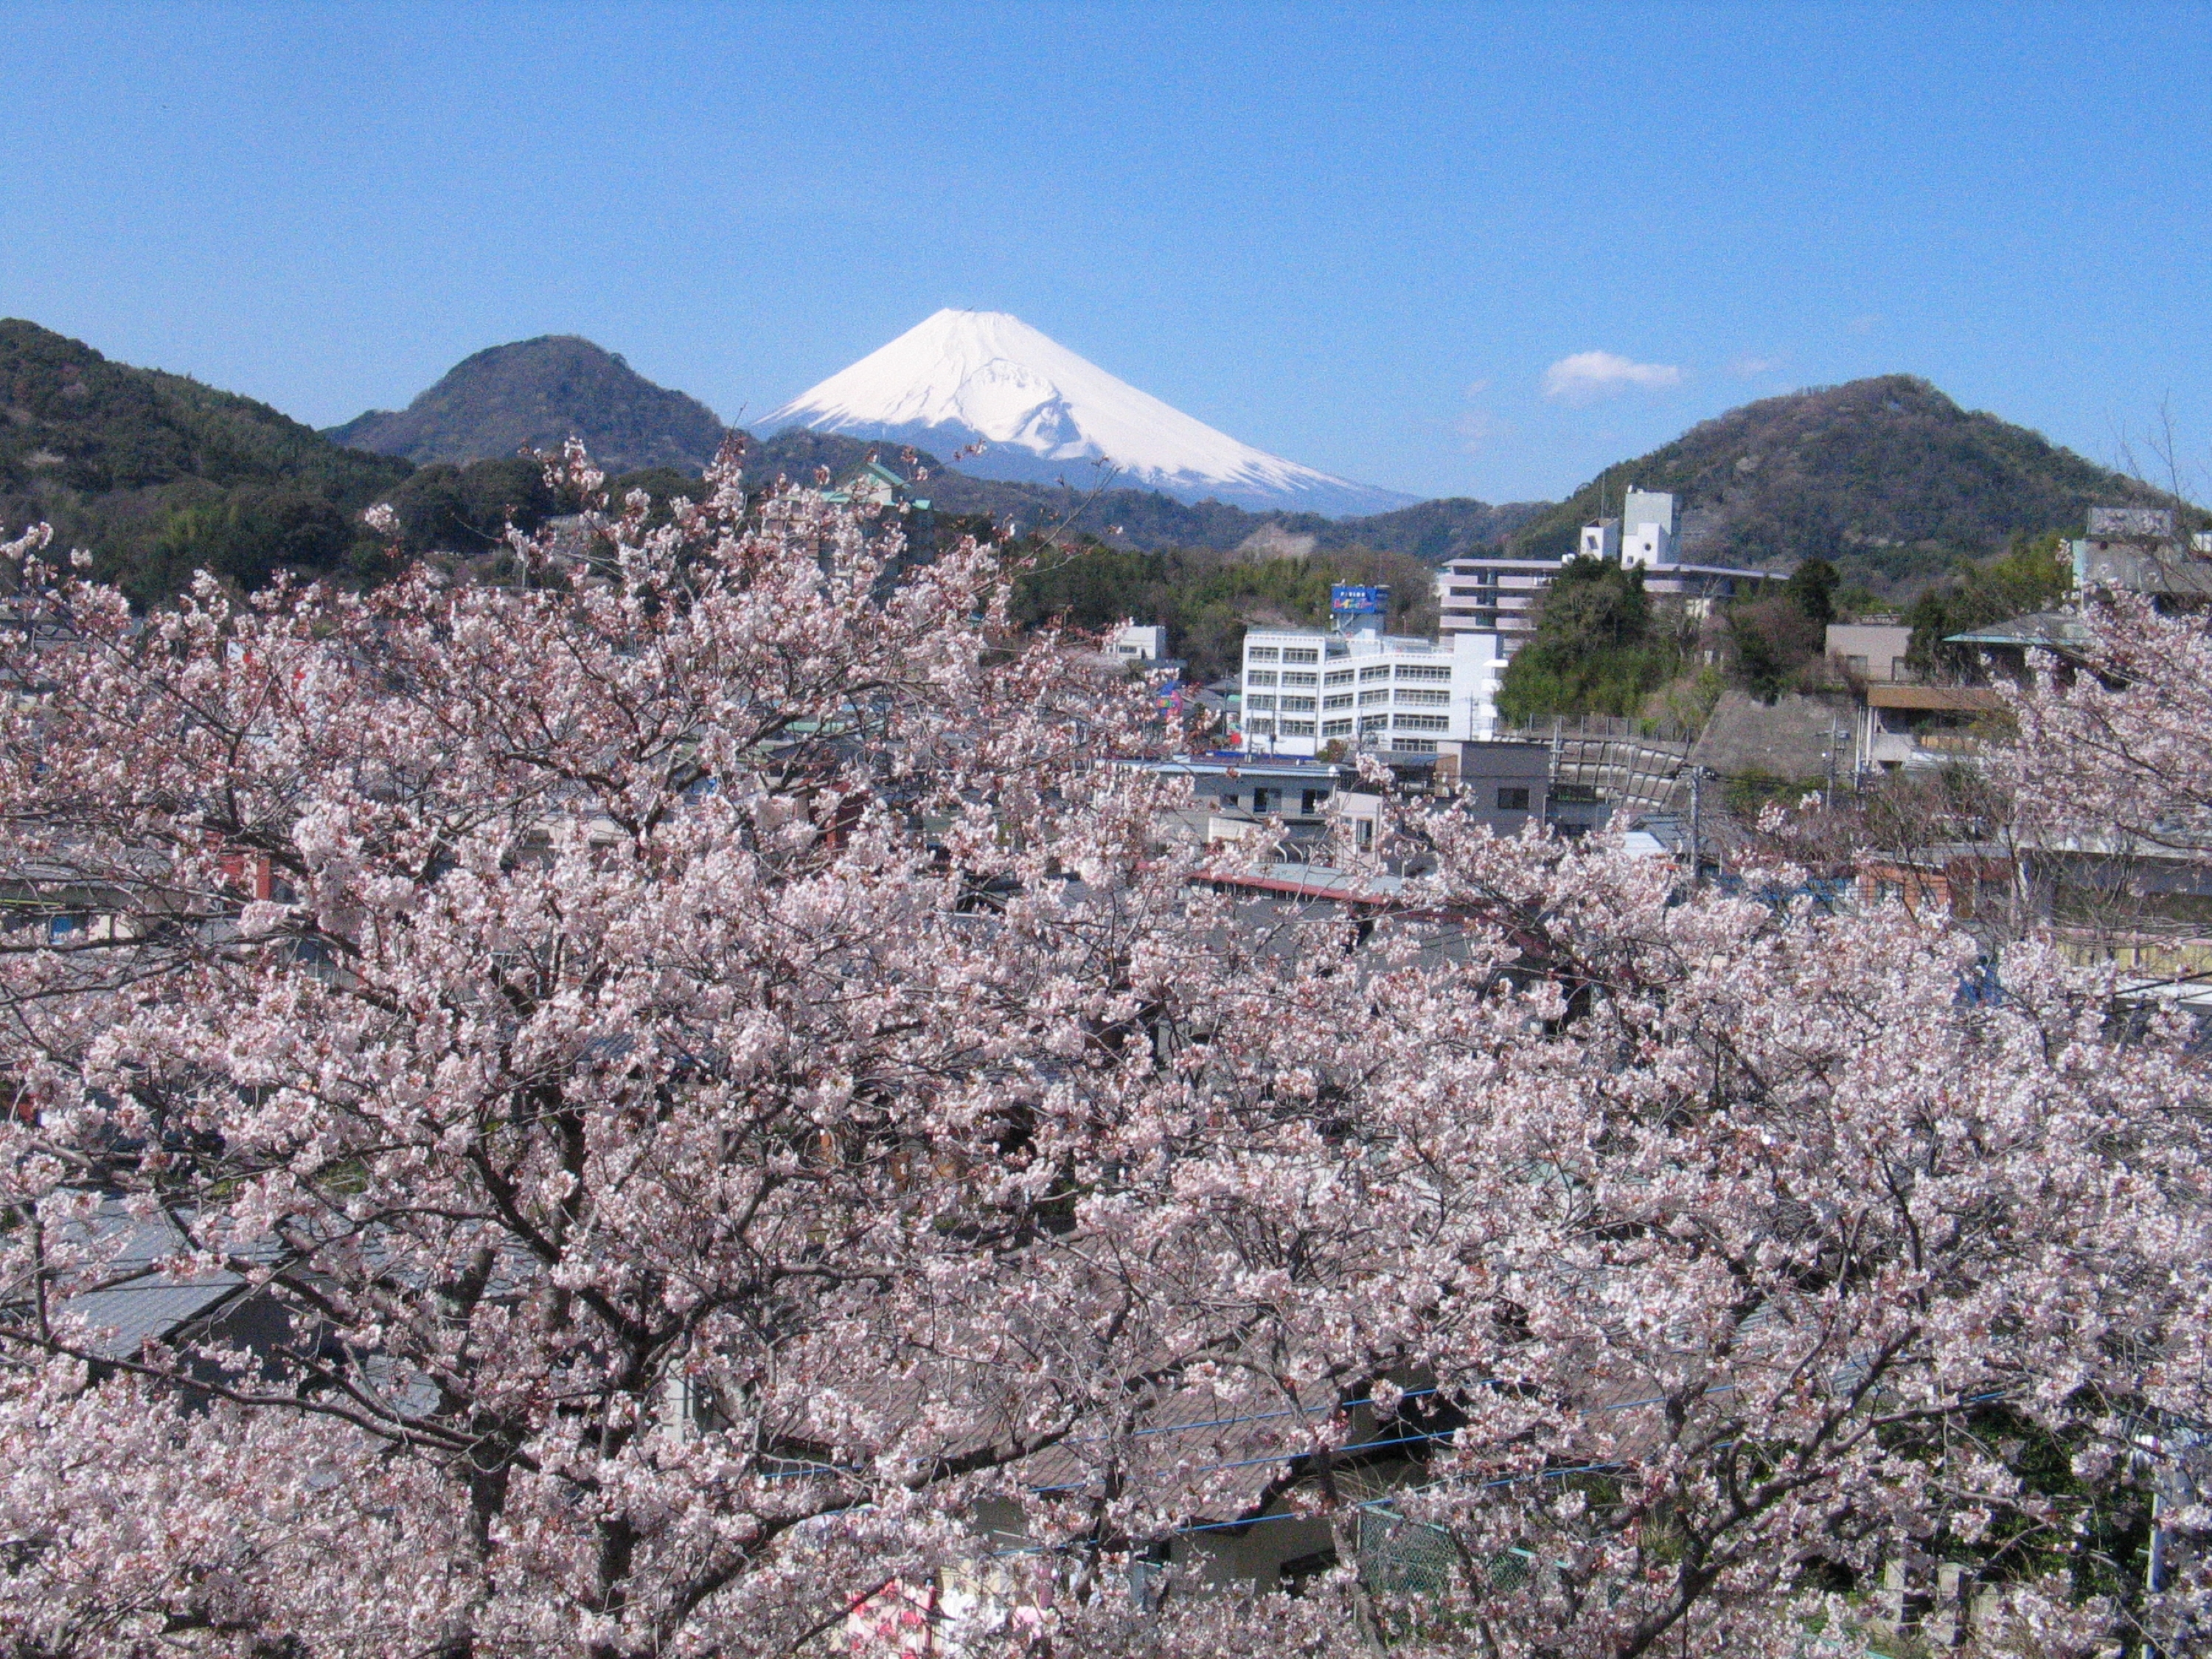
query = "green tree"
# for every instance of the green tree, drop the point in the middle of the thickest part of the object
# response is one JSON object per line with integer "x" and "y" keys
{"x": 1595, "y": 649}
{"x": 1812, "y": 588}
{"x": 2033, "y": 575}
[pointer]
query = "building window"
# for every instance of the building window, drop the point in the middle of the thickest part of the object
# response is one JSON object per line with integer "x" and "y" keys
{"x": 1300, "y": 653}
{"x": 1259, "y": 703}
{"x": 1368, "y": 699}
{"x": 1513, "y": 800}
{"x": 1265, "y": 801}
{"x": 1298, "y": 728}
{"x": 1373, "y": 723}
{"x": 1421, "y": 722}
{"x": 1292, "y": 678}
{"x": 1335, "y": 729}
{"x": 1262, "y": 653}
{"x": 1337, "y": 677}
{"x": 1259, "y": 728}
{"x": 1466, "y": 593}
{"x": 1338, "y": 700}
{"x": 1425, "y": 699}
{"x": 1309, "y": 800}
{"x": 1414, "y": 745}
{"x": 1303, "y": 705}
{"x": 1380, "y": 671}
{"x": 1262, "y": 675}
{"x": 1423, "y": 671}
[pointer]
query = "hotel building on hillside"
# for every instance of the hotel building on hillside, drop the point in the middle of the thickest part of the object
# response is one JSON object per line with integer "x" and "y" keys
{"x": 1305, "y": 689}
{"x": 1499, "y": 595}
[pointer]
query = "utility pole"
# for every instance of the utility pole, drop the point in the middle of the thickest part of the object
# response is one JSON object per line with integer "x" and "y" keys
{"x": 1697, "y": 812}
{"x": 1829, "y": 799}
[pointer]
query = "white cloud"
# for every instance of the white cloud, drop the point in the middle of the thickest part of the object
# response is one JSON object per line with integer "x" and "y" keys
{"x": 1751, "y": 368}
{"x": 1592, "y": 374}
{"x": 1477, "y": 429}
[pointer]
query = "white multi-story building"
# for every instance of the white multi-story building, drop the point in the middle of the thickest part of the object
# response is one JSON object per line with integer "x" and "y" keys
{"x": 1500, "y": 595}
{"x": 1303, "y": 689}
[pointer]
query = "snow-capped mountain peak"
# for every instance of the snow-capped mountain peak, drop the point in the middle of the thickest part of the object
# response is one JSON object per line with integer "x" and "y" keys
{"x": 961, "y": 378}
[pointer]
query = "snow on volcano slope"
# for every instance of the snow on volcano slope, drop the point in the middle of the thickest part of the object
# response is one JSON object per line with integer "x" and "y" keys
{"x": 1043, "y": 414}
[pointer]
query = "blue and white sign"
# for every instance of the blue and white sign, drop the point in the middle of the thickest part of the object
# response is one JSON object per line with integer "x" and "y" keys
{"x": 1358, "y": 599}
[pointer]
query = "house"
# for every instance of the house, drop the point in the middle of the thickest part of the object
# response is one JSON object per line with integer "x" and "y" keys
{"x": 873, "y": 485}
{"x": 1920, "y": 726}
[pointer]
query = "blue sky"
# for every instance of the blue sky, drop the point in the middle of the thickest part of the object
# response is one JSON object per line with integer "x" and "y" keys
{"x": 1454, "y": 249}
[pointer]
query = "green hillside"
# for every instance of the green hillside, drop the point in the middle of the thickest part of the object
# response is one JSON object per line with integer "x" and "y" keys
{"x": 537, "y": 394}
{"x": 1886, "y": 478}
{"x": 157, "y": 475}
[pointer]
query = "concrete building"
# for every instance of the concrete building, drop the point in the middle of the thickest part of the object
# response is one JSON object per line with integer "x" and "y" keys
{"x": 1649, "y": 527}
{"x": 2141, "y": 549}
{"x": 1504, "y": 784}
{"x": 1499, "y": 595}
{"x": 1133, "y": 642}
{"x": 1304, "y": 689}
{"x": 1873, "y": 652}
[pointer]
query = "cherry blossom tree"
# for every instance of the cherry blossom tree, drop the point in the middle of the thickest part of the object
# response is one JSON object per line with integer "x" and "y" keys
{"x": 724, "y": 1112}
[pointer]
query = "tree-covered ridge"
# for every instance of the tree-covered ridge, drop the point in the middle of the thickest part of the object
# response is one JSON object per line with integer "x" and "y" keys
{"x": 537, "y": 394}
{"x": 1886, "y": 478}
{"x": 158, "y": 475}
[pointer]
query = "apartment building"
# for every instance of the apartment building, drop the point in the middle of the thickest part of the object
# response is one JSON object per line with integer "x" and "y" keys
{"x": 1303, "y": 690}
{"x": 1500, "y": 595}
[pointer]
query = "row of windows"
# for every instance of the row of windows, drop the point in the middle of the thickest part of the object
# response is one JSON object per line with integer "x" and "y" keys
{"x": 1425, "y": 699}
{"x": 1341, "y": 699}
{"x": 1368, "y": 725}
{"x": 1434, "y": 673}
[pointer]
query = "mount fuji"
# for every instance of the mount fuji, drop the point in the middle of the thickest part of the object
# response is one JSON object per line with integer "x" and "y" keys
{"x": 1042, "y": 414}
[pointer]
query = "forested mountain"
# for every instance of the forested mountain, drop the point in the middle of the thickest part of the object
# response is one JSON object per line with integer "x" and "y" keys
{"x": 1886, "y": 478}
{"x": 157, "y": 475}
{"x": 537, "y": 394}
